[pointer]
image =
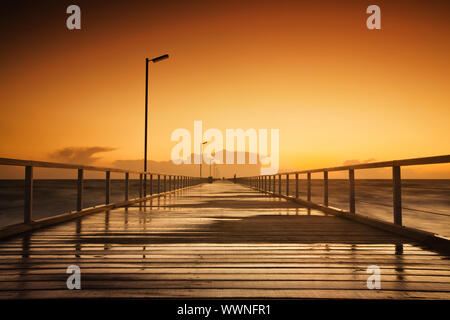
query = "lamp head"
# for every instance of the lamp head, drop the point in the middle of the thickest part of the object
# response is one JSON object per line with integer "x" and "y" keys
{"x": 160, "y": 58}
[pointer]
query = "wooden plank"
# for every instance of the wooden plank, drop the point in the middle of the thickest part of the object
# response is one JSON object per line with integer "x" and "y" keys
{"x": 231, "y": 264}
{"x": 311, "y": 252}
{"x": 308, "y": 253}
{"x": 61, "y": 276}
{"x": 204, "y": 247}
{"x": 322, "y": 272}
{"x": 148, "y": 259}
{"x": 223, "y": 293}
{"x": 227, "y": 284}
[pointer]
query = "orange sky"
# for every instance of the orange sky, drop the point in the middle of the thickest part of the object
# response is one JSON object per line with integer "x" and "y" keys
{"x": 336, "y": 90}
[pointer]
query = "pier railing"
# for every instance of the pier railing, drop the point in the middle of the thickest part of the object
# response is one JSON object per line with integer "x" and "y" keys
{"x": 273, "y": 183}
{"x": 165, "y": 184}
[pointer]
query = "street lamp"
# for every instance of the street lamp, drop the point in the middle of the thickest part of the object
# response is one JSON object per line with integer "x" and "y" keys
{"x": 154, "y": 60}
{"x": 201, "y": 156}
{"x": 213, "y": 154}
{"x": 210, "y": 166}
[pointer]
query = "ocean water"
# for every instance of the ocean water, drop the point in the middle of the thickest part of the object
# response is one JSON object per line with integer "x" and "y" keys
{"x": 52, "y": 197}
{"x": 426, "y": 203}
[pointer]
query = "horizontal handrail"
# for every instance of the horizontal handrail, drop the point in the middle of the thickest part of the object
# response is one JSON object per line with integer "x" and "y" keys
{"x": 57, "y": 165}
{"x": 382, "y": 164}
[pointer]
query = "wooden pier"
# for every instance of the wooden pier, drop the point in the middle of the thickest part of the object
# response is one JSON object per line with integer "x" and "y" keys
{"x": 219, "y": 240}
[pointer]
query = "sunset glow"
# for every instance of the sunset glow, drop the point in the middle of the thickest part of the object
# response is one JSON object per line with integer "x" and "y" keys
{"x": 336, "y": 90}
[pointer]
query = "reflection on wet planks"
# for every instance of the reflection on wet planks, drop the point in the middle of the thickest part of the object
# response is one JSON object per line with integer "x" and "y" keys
{"x": 219, "y": 240}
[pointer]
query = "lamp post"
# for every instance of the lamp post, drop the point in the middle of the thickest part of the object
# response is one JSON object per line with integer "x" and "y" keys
{"x": 210, "y": 166}
{"x": 147, "y": 60}
{"x": 210, "y": 162}
{"x": 201, "y": 156}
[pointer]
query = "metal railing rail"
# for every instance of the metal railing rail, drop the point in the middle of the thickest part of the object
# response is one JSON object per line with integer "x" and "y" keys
{"x": 267, "y": 183}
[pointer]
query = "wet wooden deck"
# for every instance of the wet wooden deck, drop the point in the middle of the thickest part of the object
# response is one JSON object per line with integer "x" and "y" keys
{"x": 218, "y": 241}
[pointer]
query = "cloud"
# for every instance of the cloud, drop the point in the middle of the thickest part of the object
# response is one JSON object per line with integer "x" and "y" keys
{"x": 79, "y": 155}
